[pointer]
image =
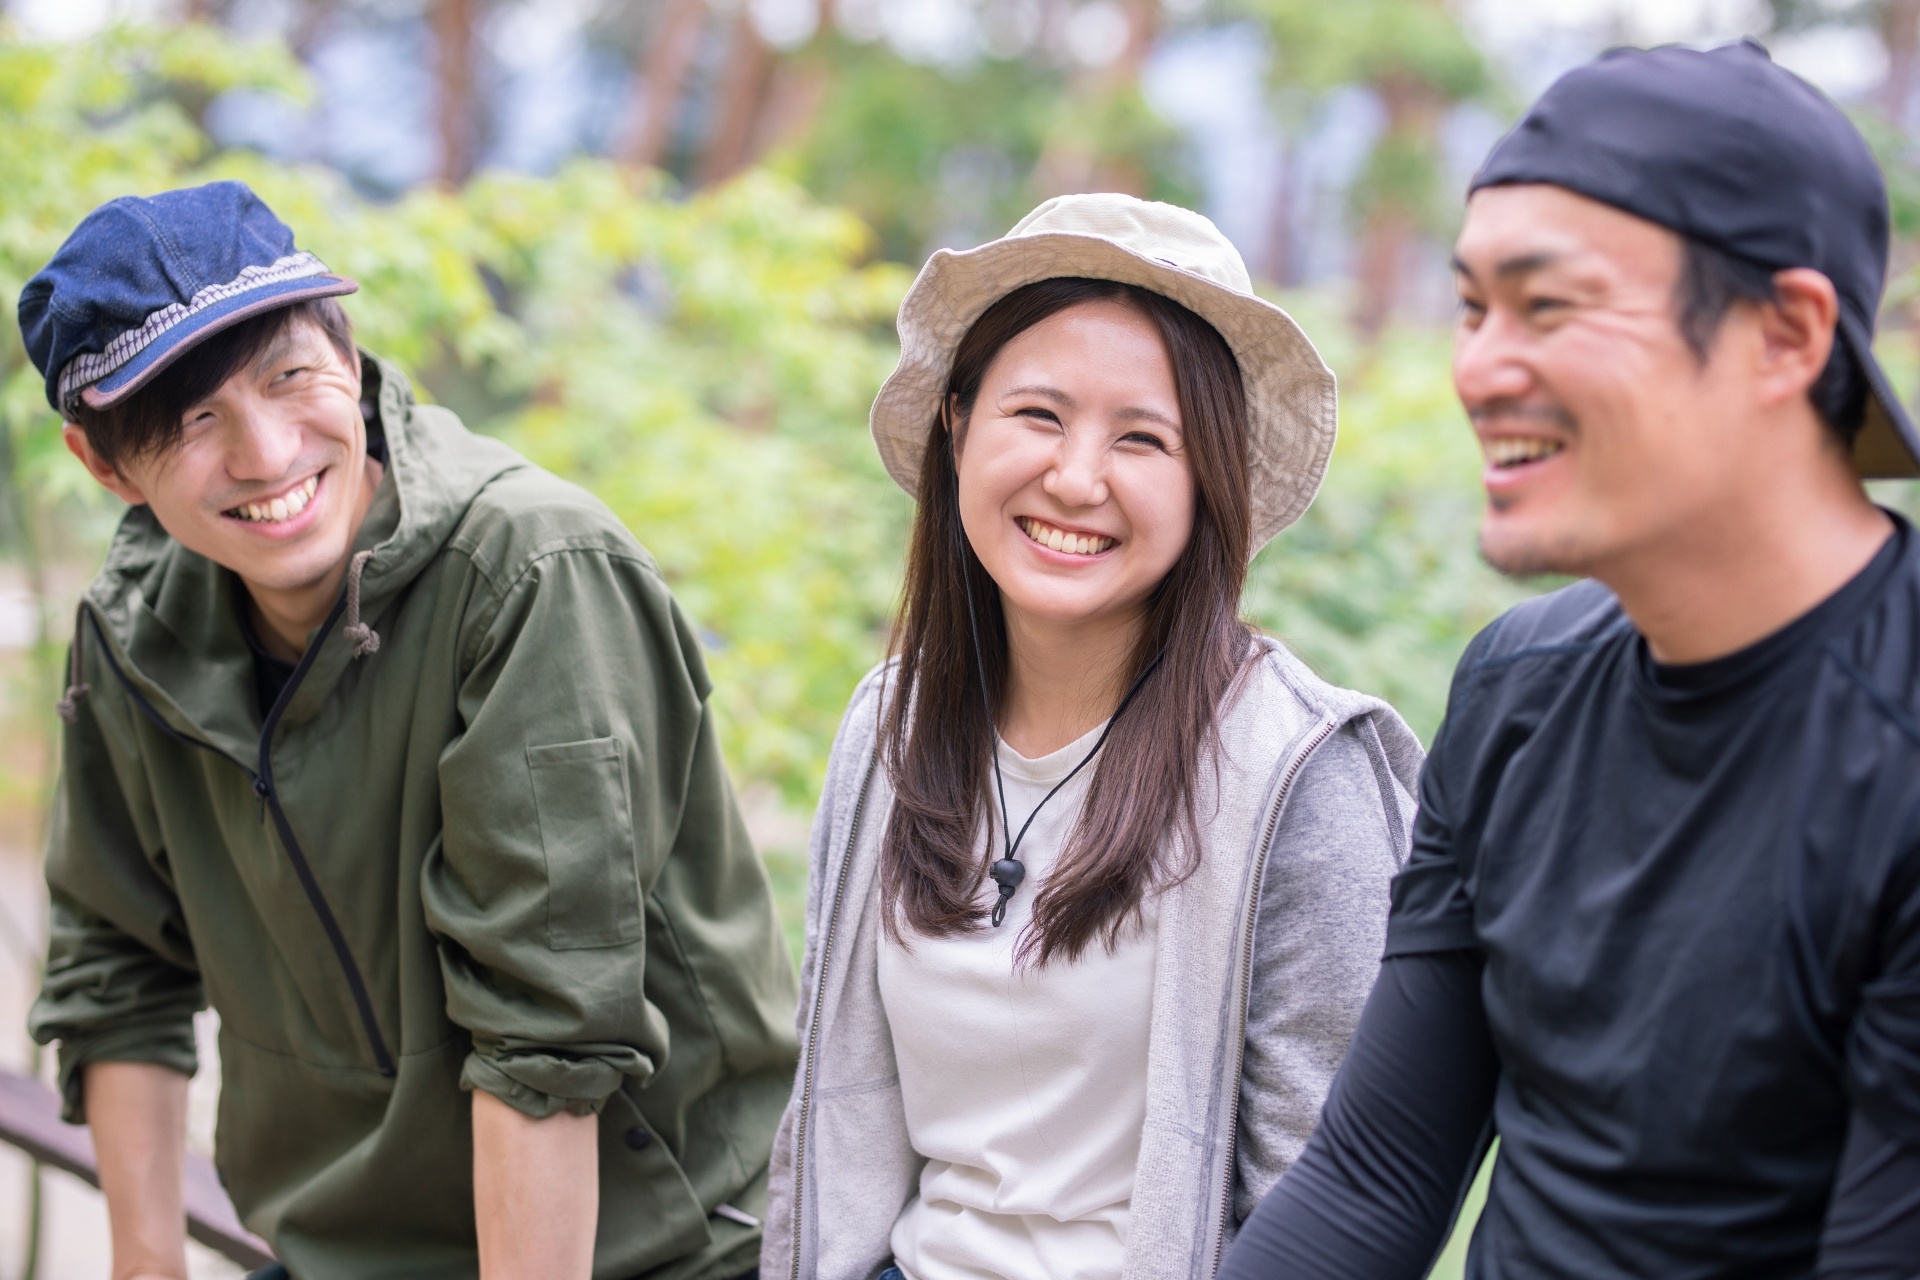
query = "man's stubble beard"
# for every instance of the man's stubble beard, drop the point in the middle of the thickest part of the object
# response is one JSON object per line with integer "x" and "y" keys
{"x": 1535, "y": 559}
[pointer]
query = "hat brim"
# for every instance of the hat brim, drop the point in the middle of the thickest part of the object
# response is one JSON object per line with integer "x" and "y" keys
{"x": 201, "y": 325}
{"x": 1291, "y": 395}
{"x": 1886, "y": 448}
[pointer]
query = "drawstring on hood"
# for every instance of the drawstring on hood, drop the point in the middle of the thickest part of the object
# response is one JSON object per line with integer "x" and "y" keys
{"x": 77, "y": 687}
{"x": 365, "y": 639}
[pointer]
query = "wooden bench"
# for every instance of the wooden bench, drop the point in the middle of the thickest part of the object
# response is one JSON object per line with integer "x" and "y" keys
{"x": 30, "y": 1120}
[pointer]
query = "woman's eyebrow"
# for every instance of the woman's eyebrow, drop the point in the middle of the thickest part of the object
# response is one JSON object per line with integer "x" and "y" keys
{"x": 1140, "y": 413}
{"x": 1054, "y": 394}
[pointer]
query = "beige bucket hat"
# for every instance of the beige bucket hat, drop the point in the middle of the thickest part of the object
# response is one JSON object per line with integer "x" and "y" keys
{"x": 1172, "y": 251}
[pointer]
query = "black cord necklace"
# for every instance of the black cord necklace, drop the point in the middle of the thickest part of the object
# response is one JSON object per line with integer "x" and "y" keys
{"x": 1009, "y": 871}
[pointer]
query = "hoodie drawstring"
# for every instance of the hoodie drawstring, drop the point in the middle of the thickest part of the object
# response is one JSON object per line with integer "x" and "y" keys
{"x": 77, "y": 687}
{"x": 365, "y": 639}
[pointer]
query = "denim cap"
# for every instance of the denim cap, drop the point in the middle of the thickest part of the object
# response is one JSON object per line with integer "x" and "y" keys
{"x": 1727, "y": 147}
{"x": 143, "y": 279}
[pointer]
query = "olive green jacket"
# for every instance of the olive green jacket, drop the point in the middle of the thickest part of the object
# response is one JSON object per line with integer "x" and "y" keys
{"x": 497, "y": 851}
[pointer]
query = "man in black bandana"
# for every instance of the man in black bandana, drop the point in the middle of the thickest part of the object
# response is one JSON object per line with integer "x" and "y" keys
{"x": 1660, "y": 929}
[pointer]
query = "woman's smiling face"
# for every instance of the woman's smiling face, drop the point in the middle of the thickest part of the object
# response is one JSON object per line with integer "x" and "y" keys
{"x": 1075, "y": 487}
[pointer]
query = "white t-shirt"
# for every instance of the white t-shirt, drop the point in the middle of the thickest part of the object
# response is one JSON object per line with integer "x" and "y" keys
{"x": 1027, "y": 1090}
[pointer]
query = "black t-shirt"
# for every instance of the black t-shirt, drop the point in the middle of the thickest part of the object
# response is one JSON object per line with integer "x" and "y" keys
{"x": 270, "y": 674}
{"x": 1696, "y": 891}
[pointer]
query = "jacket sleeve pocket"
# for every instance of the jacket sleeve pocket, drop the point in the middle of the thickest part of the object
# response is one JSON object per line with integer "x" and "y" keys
{"x": 586, "y": 828}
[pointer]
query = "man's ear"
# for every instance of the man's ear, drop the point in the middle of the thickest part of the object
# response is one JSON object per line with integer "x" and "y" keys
{"x": 1797, "y": 333}
{"x": 109, "y": 476}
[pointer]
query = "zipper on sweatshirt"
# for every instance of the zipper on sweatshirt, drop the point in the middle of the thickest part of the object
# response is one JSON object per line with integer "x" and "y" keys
{"x": 813, "y": 1023}
{"x": 269, "y": 796}
{"x": 1244, "y": 991}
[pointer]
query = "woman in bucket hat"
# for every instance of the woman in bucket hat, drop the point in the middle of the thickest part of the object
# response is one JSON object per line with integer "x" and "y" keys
{"x": 1099, "y": 877}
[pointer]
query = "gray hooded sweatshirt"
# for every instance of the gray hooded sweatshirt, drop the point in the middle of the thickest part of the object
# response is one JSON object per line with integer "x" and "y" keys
{"x": 1266, "y": 954}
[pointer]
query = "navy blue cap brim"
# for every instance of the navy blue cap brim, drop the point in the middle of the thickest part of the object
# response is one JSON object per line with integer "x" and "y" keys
{"x": 1887, "y": 447}
{"x": 197, "y": 328}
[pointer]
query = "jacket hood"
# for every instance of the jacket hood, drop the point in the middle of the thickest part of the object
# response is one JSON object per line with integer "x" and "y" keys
{"x": 169, "y": 615}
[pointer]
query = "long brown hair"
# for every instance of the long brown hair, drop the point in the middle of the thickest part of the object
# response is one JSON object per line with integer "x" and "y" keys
{"x": 937, "y": 735}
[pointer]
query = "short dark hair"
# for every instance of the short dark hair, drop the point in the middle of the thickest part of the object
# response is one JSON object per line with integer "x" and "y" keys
{"x": 148, "y": 422}
{"x": 1712, "y": 280}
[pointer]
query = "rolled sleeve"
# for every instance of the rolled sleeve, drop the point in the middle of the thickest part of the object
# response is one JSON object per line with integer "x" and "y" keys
{"x": 121, "y": 983}
{"x": 162, "y": 1040}
{"x": 583, "y": 704}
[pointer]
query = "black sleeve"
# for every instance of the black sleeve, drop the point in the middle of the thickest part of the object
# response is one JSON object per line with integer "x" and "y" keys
{"x": 1873, "y": 1224}
{"x": 1432, "y": 909}
{"x": 1872, "y": 1229}
{"x": 1373, "y": 1195}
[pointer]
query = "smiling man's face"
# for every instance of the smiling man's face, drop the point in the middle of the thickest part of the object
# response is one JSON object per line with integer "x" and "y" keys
{"x": 1602, "y": 431}
{"x": 269, "y": 477}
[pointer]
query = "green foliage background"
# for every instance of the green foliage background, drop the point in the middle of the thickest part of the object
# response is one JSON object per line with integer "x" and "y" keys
{"x": 705, "y": 366}
{"x": 924, "y": 153}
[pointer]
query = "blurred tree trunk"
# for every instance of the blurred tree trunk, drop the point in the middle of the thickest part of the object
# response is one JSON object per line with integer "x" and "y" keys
{"x": 1143, "y": 25}
{"x": 791, "y": 104}
{"x": 1418, "y": 62}
{"x": 744, "y": 87}
{"x": 1123, "y": 171}
{"x": 1393, "y": 212}
{"x": 670, "y": 54}
{"x": 1897, "y": 22}
{"x": 309, "y": 16}
{"x": 213, "y": 13}
{"x": 452, "y": 23}
{"x": 1075, "y": 160}
{"x": 766, "y": 98}
{"x": 799, "y": 87}
{"x": 1899, "y": 29}
{"x": 1277, "y": 256}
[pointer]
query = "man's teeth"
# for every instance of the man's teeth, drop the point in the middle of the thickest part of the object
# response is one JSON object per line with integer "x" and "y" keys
{"x": 280, "y": 509}
{"x": 1511, "y": 451}
{"x": 1076, "y": 544}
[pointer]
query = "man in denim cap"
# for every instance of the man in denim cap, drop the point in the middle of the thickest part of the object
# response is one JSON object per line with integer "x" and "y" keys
{"x": 396, "y": 751}
{"x": 1659, "y": 931}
